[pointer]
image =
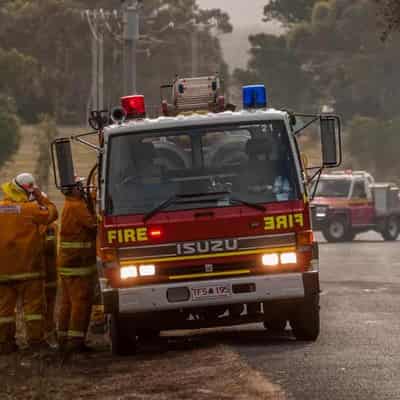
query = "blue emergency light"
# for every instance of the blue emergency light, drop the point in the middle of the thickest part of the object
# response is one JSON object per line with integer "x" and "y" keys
{"x": 254, "y": 96}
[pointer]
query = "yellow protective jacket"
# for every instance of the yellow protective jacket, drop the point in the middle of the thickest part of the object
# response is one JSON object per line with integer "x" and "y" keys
{"x": 77, "y": 239}
{"x": 20, "y": 236}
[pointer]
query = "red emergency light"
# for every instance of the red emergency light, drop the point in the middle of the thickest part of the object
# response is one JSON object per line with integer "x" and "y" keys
{"x": 134, "y": 106}
{"x": 155, "y": 233}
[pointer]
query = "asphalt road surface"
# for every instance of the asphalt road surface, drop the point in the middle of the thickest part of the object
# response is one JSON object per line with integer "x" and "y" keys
{"x": 357, "y": 355}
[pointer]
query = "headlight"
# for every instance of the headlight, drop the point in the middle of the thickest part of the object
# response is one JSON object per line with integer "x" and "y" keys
{"x": 320, "y": 212}
{"x": 289, "y": 258}
{"x": 129, "y": 272}
{"x": 270, "y": 260}
{"x": 147, "y": 270}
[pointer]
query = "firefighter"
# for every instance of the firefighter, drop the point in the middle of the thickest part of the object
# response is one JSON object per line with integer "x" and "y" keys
{"x": 22, "y": 211}
{"x": 77, "y": 269}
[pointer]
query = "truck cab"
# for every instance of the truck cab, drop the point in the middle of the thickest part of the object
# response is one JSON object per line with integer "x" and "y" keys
{"x": 346, "y": 204}
{"x": 205, "y": 219}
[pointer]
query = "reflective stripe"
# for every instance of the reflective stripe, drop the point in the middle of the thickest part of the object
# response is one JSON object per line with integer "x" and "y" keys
{"x": 20, "y": 277}
{"x": 51, "y": 285}
{"x": 48, "y": 238}
{"x": 76, "y": 334}
{"x": 33, "y": 317}
{"x": 10, "y": 209}
{"x": 85, "y": 271}
{"x": 7, "y": 320}
{"x": 76, "y": 245}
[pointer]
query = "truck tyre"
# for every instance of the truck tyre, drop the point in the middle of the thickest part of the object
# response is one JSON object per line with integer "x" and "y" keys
{"x": 391, "y": 229}
{"x": 275, "y": 325}
{"x": 337, "y": 230}
{"x": 305, "y": 323}
{"x": 122, "y": 336}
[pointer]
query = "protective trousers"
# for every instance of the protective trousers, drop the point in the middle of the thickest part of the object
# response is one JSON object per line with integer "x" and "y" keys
{"x": 50, "y": 296}
{"x": 31, "y": 294}
{"x": 75, "y": 308}
{"x": 50, "y": 266}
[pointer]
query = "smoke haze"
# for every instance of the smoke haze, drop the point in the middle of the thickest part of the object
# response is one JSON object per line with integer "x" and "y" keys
{"x": 242, "y": 13}
{"x": 246, "y": 18}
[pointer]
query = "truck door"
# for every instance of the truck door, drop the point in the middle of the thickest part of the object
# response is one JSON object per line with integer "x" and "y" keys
{"x": 361, "y": 204}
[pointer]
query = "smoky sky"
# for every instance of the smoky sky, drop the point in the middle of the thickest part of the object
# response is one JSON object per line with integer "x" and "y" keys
{"x": 246, "y": 18}
{"x": 243, "y": 13}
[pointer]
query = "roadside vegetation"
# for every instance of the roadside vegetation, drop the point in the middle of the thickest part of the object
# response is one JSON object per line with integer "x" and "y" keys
{"x": 45, "y": 58}
{"x": 331, "y": 56}
{"x": 9, "y": 129}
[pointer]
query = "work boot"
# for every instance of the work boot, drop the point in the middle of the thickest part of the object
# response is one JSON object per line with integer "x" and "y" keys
{"x": 8, "y": 348}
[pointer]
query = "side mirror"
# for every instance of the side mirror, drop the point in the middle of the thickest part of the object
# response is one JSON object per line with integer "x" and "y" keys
{"x": 63, "y": 164}
{"x": 331, "y": 144}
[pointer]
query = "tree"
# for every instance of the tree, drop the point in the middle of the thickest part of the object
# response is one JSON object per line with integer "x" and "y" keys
{"x": 173, "y": 54}
{"x": 389, "y": 11}
{"x": 20, "y": 80}
{"x": 272, "y": 62}
{"x": 54, "y": 34}
{"x": 9, "y": 129}
{"x": 288, "y": 11}
{"x": 351, "y": 68}
{"x": 373, "y": 145}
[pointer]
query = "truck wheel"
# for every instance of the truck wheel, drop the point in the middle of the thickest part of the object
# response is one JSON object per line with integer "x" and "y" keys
{"x": 337, "y": 230}
{"x": 392, "y": 229}
{"x": 305, "y": 323}
{"x": 122, "y": 336}
{"x": 275, "y": 325}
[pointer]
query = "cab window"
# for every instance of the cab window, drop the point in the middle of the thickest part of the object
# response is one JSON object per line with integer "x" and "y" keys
{"x": 359, "y": 191}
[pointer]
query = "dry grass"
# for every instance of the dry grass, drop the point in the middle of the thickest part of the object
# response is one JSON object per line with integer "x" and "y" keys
{"x": 208, "y": 373}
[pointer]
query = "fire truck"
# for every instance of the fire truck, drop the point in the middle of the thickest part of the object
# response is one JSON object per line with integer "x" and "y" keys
{"x": 349, "y": 202}
{"x": 204, "y": 215}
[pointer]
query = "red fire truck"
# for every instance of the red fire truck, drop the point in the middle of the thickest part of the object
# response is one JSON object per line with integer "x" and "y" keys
{"x": 350, "y": 202}
{"x": 204, "y": 216}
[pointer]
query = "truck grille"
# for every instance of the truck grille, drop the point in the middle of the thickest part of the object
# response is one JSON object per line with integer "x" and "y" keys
{"x": 207, "y": 270}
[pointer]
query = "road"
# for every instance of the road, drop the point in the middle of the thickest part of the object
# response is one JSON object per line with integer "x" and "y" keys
{"x": 357, "y": 355}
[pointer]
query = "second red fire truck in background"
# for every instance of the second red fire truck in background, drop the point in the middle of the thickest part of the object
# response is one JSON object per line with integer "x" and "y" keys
{"x": 349, "y": 202}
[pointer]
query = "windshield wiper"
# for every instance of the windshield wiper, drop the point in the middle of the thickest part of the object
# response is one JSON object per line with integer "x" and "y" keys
{"x": 165, "y": 204}
{"x": 175, "y": 199}
{"x": 256, "y": 206}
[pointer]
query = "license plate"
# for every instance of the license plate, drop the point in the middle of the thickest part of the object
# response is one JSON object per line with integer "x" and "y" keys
{"x": 210, "y": 292}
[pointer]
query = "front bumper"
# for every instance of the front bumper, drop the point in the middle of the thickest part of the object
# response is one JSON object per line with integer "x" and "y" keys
{"x": 243, "y": 290}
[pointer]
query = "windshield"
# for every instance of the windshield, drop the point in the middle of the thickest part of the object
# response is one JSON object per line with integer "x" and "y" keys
{"x": 333, "y": 188}
{"x": 251, "y": 163}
